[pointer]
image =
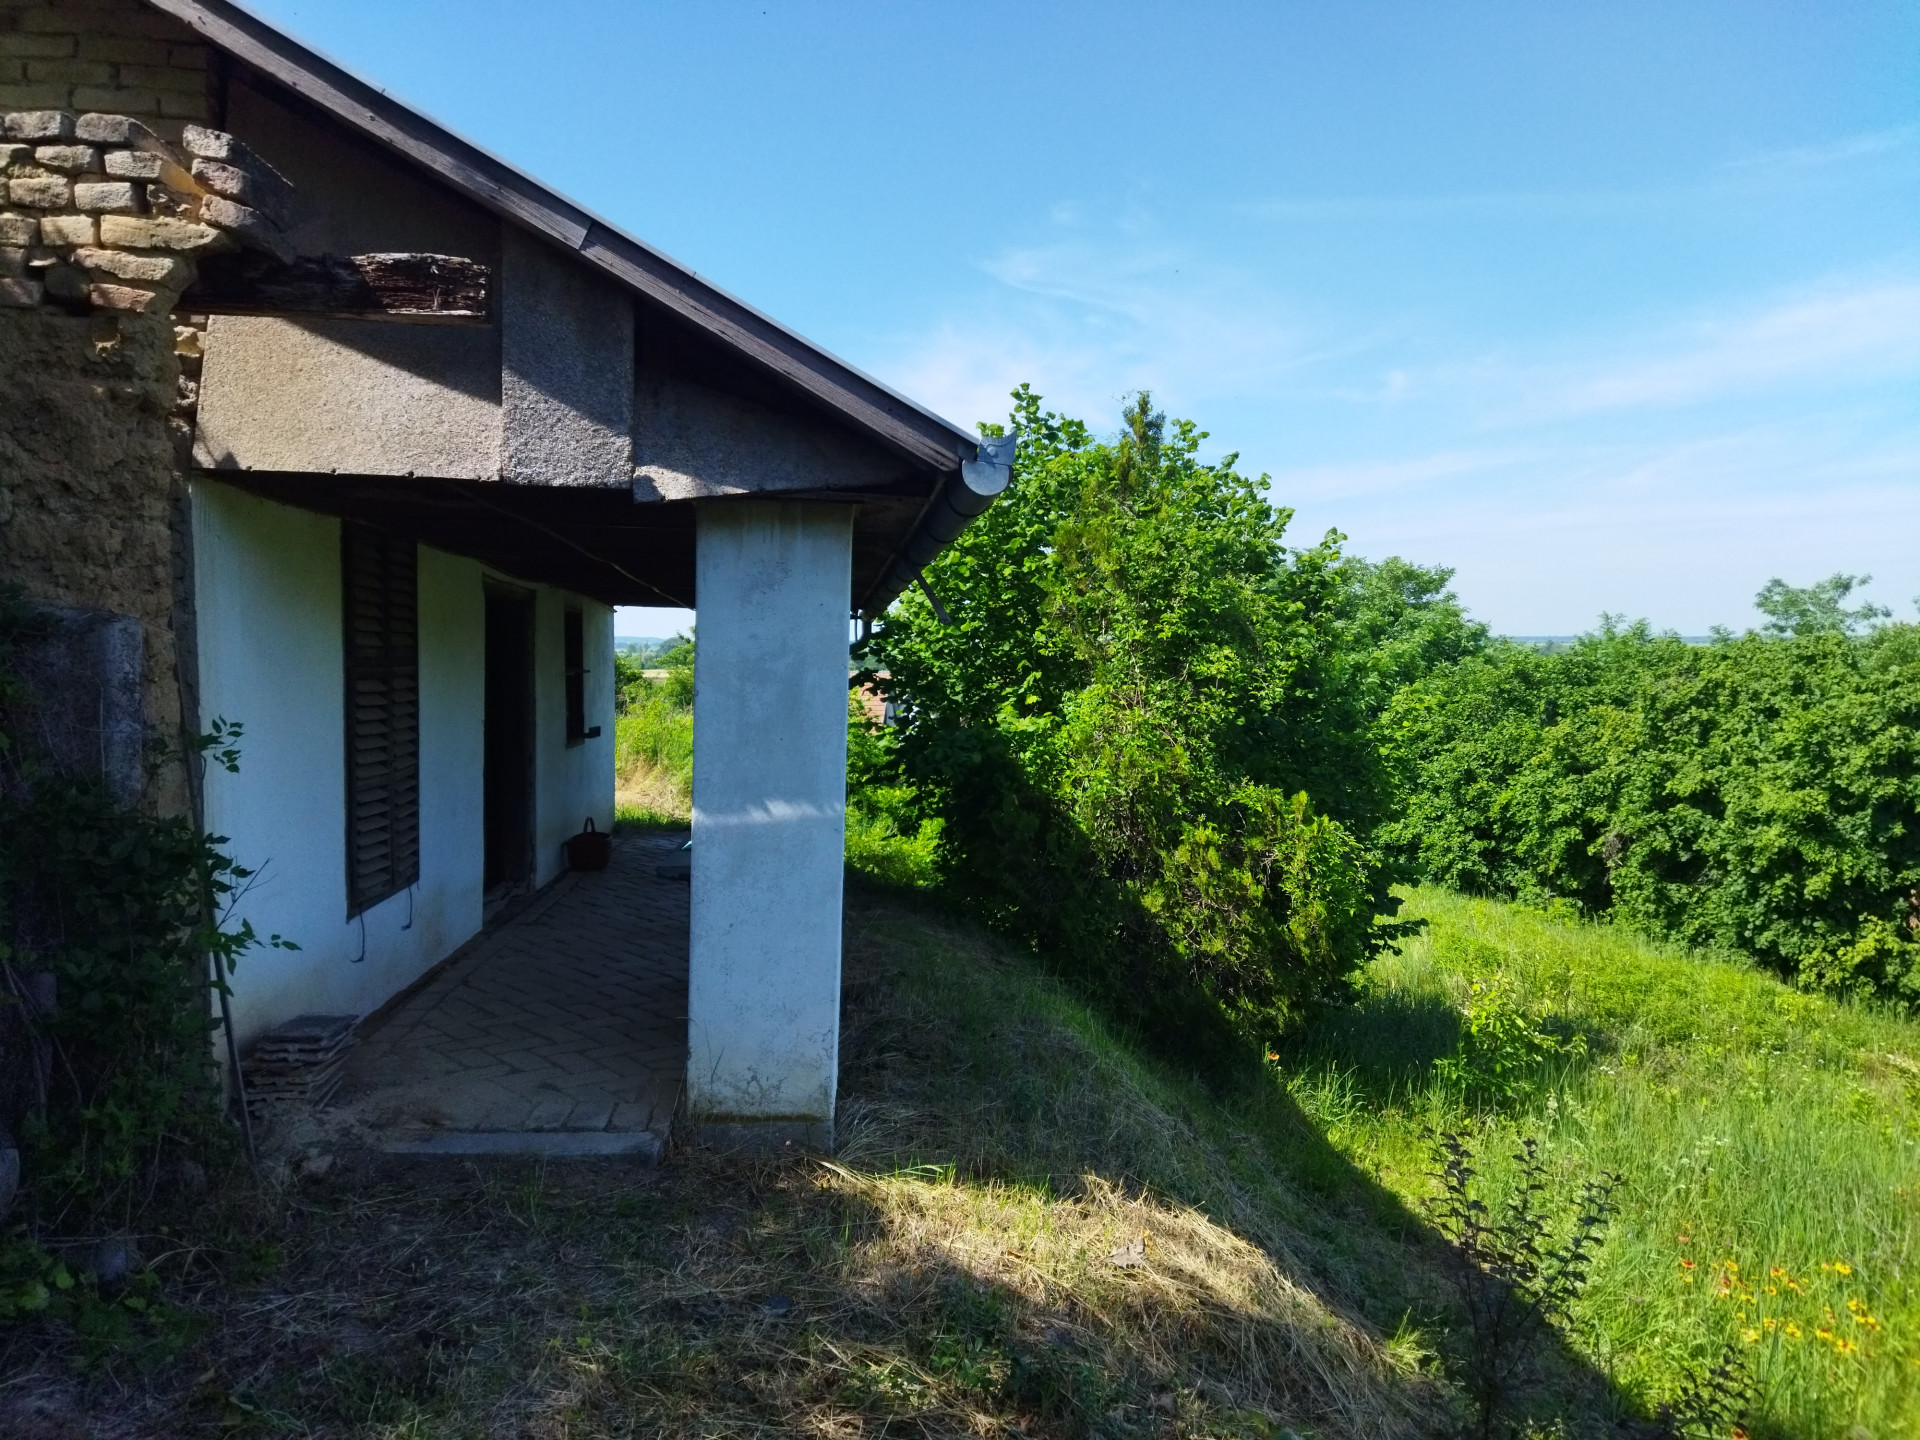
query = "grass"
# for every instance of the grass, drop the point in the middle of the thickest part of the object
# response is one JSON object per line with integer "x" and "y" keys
{"x": 653, "y": 760}
{"x": 1768, "y": 1142}
{"x": 952, "y": 1271}
{"x": 955, "y": 1268}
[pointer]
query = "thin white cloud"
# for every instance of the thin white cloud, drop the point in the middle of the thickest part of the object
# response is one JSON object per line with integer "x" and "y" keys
{"x": 1320, "y": 483}
{"x": 1867, "y": 145}
{"x": 1863, "y": 333}
{"x": 1683, "y": 532}
{"x": 1089, "y": 323}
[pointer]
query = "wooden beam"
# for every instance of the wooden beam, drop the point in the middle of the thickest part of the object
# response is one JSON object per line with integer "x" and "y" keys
{"x": 443, "y": 288}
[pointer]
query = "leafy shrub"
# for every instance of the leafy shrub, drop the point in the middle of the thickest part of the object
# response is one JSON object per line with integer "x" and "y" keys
{"x": 1147, "y": 736}
{"x": 1515, "y": 1276}
{"x": 1503, "y": 1046}
{"x": 887, "y": 836}
{"x": 124, "y": 910}
{"x": 1757, "y": 794}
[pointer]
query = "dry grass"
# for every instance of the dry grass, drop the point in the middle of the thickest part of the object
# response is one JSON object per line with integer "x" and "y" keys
{"x": 953, "y": 1272}
{"x": 653, "y": 790}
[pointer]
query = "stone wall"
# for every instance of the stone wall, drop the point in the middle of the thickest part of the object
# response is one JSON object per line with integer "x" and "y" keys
{"x": 101, "y": 213}
{"x": 113, "y": 55}
{"x": 90, "y": 483}
{"x": 113, "y": 185}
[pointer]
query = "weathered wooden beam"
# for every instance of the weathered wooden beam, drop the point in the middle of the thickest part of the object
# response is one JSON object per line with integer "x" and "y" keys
{"x": 445, "y": 288}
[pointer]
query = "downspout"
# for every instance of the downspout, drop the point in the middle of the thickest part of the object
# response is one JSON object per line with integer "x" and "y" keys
{"x": 961, "y": 499}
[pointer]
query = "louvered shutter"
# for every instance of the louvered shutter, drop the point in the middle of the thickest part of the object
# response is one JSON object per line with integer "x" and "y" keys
{"x": 380, "y": 589}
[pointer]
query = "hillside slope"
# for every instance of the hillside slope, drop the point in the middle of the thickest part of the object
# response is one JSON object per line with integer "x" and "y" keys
{"x": 1027, "y": 1230}
{"x": 1033, "y": 1227}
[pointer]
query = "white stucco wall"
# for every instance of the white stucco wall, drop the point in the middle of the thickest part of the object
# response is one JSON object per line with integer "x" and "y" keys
{"x": 267, "y": 595}
{"x": 571, "y": 782}
{"x": 769, "y": 819}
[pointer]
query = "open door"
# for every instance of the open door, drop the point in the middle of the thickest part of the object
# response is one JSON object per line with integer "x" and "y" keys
{"x": 509, "y": 743}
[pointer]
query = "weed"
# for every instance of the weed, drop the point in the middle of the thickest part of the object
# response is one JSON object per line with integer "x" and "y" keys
{"x": 1712, "y": 1402}
{"x": 1503, "y": 1047}
{"x": 1515, "y": 1278}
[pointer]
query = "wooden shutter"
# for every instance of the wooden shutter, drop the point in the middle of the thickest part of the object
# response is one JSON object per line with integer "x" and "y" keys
{"x": 380, "y": 588}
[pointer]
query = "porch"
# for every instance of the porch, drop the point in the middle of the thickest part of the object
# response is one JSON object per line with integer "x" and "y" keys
{"x": 562, "y": 1031}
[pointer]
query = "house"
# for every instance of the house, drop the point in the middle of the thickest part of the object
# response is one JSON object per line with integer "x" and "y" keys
{"x": 318, "y": 419}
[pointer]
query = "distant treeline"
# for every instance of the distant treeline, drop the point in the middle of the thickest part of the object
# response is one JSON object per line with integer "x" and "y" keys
{"x": 1190, "y": 762}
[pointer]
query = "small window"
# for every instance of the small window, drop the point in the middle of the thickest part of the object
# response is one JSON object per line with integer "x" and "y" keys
{"x": 574, "y": 643}
{"x": 379, "y": 586}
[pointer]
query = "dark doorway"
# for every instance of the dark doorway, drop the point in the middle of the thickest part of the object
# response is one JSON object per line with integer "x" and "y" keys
{"x": 509, "y": 741}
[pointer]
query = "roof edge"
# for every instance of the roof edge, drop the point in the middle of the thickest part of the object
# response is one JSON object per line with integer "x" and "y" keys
{"x": 889, "y": 416}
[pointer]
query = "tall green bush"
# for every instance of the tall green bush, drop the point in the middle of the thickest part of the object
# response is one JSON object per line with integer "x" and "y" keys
{"x": 1146, "y": 737}
{"x": 1761, "y": 793}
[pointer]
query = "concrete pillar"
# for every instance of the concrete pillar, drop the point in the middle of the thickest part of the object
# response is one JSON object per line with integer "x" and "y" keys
{"x": 769, "y": 820}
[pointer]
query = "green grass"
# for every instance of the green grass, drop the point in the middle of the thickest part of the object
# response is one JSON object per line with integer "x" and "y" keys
{"x": 950, "y": 1271}
{"x": 1768, "y": 1143}
{"x": 653, "y": 759}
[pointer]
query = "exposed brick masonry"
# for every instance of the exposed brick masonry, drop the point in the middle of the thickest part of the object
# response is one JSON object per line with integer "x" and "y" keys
{"x": 101, "y": 213}
{"x": 112, "y": 55}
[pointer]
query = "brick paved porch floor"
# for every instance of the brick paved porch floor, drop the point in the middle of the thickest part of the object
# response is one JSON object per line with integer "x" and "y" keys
{"x": 563, "y": 1032}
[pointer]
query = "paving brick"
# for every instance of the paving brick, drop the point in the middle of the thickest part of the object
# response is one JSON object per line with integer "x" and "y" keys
{"x": 570, "y": 1017}
{"x": 589, "y": 1114}
{"x": 630, "y": 1115}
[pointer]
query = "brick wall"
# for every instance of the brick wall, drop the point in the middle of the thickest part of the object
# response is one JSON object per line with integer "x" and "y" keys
{"x": 112, "y": 55}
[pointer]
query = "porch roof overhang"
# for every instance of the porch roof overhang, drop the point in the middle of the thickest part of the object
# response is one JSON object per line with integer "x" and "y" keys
{"x": 595, "y": 539}
{"x": 592, "y": 540}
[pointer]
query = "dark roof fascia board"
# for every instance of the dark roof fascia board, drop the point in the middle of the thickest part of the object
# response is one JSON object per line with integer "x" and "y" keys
{"x": 880, "y": 411}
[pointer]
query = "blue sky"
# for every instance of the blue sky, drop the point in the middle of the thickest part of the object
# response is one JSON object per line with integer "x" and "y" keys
{"x": 1611, "y": 307}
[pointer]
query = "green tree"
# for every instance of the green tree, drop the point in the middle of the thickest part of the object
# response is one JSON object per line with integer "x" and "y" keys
{"x": 1142, "y": 736}
{"x": 1760, "y": 793}
{"x": 1819, "y": 609}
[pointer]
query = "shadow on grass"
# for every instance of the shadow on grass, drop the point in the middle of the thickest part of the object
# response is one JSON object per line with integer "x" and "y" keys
{"x": 733, "y": 1296}
{"x": 1385, "y": 1043}
{"x": 1055, "y": 1097}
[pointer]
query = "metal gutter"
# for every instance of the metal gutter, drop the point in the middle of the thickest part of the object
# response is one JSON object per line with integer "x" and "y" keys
{"x": 961, "y": 499}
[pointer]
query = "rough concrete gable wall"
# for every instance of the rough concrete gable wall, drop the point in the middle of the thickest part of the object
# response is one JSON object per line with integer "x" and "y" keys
{"x": 566, "y": 343}
{"x": 690, "y": 442}
{"x": 114, "y": 55}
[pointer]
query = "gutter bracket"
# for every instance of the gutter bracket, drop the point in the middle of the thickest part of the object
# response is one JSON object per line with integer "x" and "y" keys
{"x": 920, "y": 579}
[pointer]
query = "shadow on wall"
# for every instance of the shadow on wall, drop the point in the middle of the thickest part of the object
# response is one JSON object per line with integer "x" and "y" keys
{"x": 83, "y": 672}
